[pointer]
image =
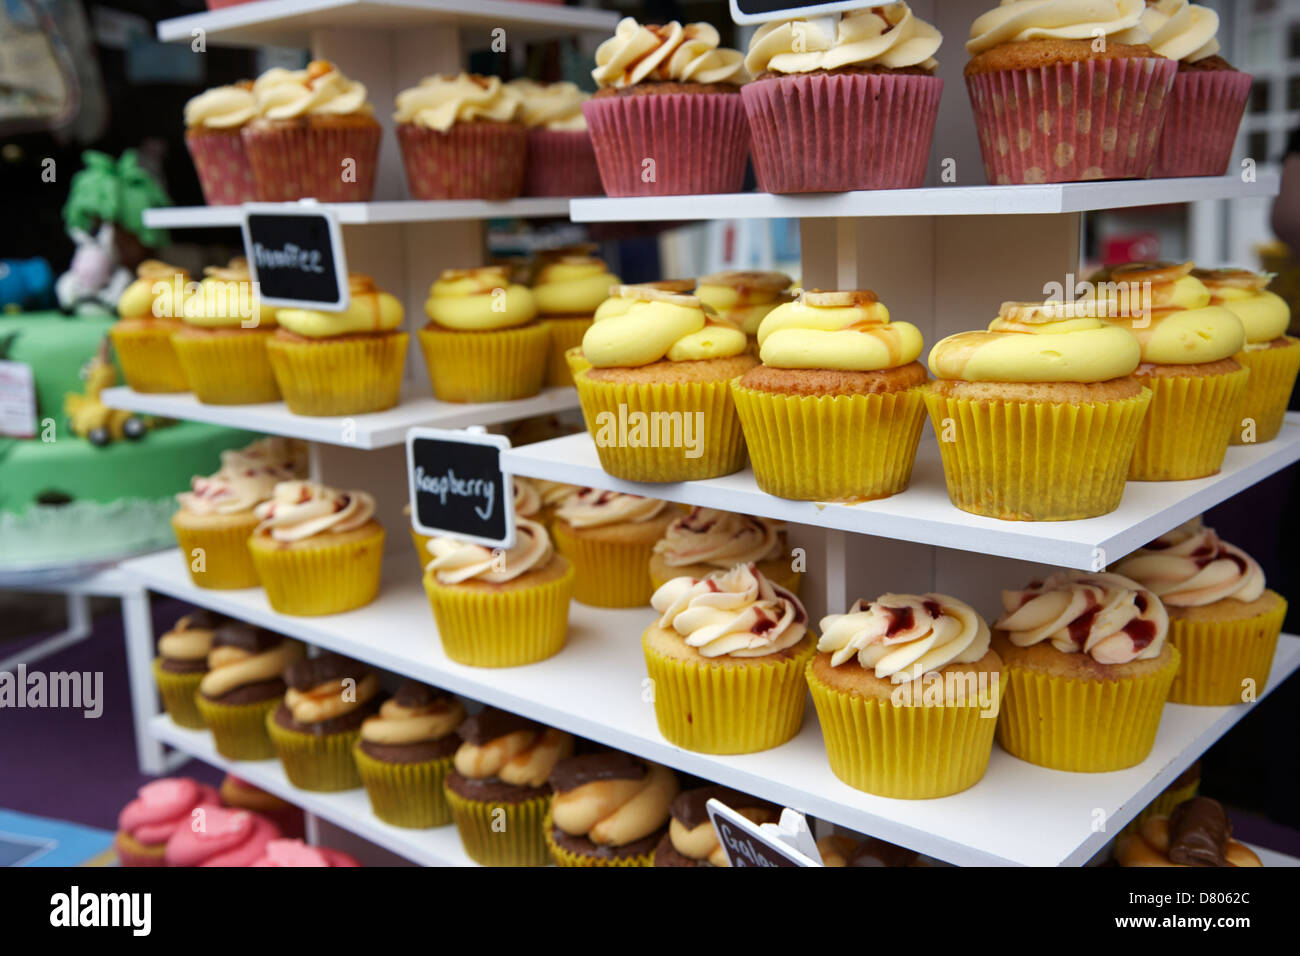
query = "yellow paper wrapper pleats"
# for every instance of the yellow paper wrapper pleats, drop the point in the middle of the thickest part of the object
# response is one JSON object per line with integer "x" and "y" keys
{"x": 146, "y": 357}
{"x": 178, "y": 692}
{"x": 228, "y": 369}
{"x": 501, "y": 834}
{"x": 1220, "y": 657}
{"x": 563, "y": 857}
{"x": 326, "y": 578}
{"x": 565, "y": 334}
{"x": 318, "y": 762}
{"x": 1268, "y": 390}
{"x": 405, "y": 794}
{"x": 218, "y": 558}
{"x": 239, "y": 730}
{"x": 350, "y": 376}
{"x": 1186, "y": 430}
{"x": 497, "y": 366}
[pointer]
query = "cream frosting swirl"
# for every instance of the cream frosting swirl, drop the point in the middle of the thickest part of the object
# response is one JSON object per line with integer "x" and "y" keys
{"x": 457, "y": 561}
{"x": 848, "y": 330}
{"x": 1191, "y": 567}
{"x": 528, "y": 498}
{"x": 298, "y": 510}
{"x": 223, "y": 107}
{"x": 556, "y": 106}
{"x": 397, "y": 724}
{"x": 246, "y": 478}
{"x": 1181, "y": 30}
{"x": 320, "y": 90}
{"x": 658, "y": 325}
{"x": 901, "y": 637}
{"x": 672, "y": 52}
{"x": 522, "y": 758}
{"x": 738, "y": 613}
{"x": 892, "y": 37}
{"x": 1105, "y": 615}
{"x": 719, "y": 538}
{"x": 1119, "y": 21}
{"x": 439, "y": 102}
{"x": 595, "y": 507}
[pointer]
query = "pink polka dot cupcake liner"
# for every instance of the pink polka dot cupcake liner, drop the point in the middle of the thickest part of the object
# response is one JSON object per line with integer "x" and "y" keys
{"x": 1205, "y": 110}
{"x": 303, "y": 161}
{"x": 561, "y": 163}
{"x": 1072, "y": 122}
{"x": 669, "y": 144}
{"x": 469, "y": 161}
{"x": 225, "y": 175}
{"x": 835, "y": 132}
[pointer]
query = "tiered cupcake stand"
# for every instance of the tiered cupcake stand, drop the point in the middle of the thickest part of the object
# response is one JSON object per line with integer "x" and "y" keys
{"x": 941, "y": 257}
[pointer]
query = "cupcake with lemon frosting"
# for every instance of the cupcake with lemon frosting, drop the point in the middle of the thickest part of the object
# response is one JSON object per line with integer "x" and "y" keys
{"x": 835, "y": 411}
{"x": 610, "y": 538}
{"x": 708, "y": 540}
{"x": 727, "y": 657}
{"x": 561, "y": 160}
{"x": 461, "y": 138}
{"x": 607, "y": 809}
{"x": 845, "y": 106}
{"x": 663, "y": 92}
{"x": 568, "y": 290}
{"x": 482, "y": 343}
{"x": 214, "y": 121}
{"x": 1037, "y": 418}
{"x": 149, "y": 313}
{"x": 617, "y": 304}
{"x": 1222, "y": 618}
{"x": 744, "y": 298}
{"x": 907, "y": 689}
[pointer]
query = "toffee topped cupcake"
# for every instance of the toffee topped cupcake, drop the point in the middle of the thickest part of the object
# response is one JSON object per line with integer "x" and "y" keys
{"x": 243, "y": 685}
{"x": 609, "y": 809}
{"x": 181, "y": 663}
{"x": 691, "y": 839}
{"x": 1196, "y": 833}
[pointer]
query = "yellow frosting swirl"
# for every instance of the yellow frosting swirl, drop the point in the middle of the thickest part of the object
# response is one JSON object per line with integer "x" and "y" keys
{"x": 891, "y": 37}
{"x": 595, "y": 507}
{"x": 1265, "y": 315}
{"x": 573, "y": 285}
{"x": 457, "y": 561}
{"x": 672, "y": 52}
{"x": 743, "y": 298}
{"x": 300, "y": 509}
{"x": 320, "y": 89}
{"x": 616, "y": 304}
{"x": 1191, "y": 567}
{"x": 152, "y": 292}
{"x": 556, "y": 106}
{"x": 1119, "y": 21}
{"x": 901, "y": 637}
{"x": 224, "y": 107}
{"x": 396, "y": 724}
{"x": 836, "y": 330}
{"x": 737, "y": 613}
{"x": 246, "y": 479}
{"x": 616, "y": 812}
{"x": 369, "y": 310}
{"x": 439, "y": 102}
{"x": 1182, "y": 30}
{"x": 477, "y": 300}
{"x": 658, "y": 325}
{"x": 227, "y": 298}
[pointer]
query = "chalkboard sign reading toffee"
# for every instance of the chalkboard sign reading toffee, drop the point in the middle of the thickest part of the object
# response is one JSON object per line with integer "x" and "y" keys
{"x": 788, "y": 843}
{"x": 295, "y": 255}
{"x": 457, "y": 486}
{"x": 761, "y": 11}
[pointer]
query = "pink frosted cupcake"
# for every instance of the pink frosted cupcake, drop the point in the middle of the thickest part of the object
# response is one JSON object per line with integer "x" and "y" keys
{"x": 221, "y": 837}
{"x": 668, "y": 119}
{"x": 1065, "y": 91}
{"x": 850, "y": 110}
{"x": 214, "y": 122}
{"x": 561, "y": 160}
{"x": 297, "y": 853}
{"x": 160, "y": 809}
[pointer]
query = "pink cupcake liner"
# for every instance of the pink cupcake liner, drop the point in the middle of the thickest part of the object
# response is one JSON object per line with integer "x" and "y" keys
{"x": 1071, "y": 122}
{"x": 301, "y": 161}
{"x": 669, "y": 144}
{"x": 1204, "y": 112}
{"x": 561, "y": 163}
{"x": 469, "y": 161}
{"x": 836, "y": 132}
{"x": 225, "y": 174}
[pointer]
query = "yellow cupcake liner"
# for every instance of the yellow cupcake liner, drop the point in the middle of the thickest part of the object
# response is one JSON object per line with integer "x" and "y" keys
{"x": 1088, "y": 726}
{"x": 575, "y": 361}
{"x": 831, "y": 447}
{"x": 501, "y": 834}
{"x": 906, "y": 752}
{"x": 717, "y": 708}
{"x": 218, "y": 558}
{"x": 405, "y": 794}
{"x": 227, "y": 369}
{"x": 606, "y": 573}
{"x": 1268, "y": 390}
{"x": 321, "y": 763}
{"x": 1185, "y": 433}
{"x": 1219, "y": 657}
{"x": 345, "y": 377}
{"x": 421, "y": 542}
{"x": 497, "y": 366}
{"x": 239, "y": 730}
{"x": 718, "y": 444}
{"x": 1163, "y": 805}
{"x": 565, "y": 334}
{"x": 502, "y": 628}
{"x": 324, "y": 578}
{"x": 177, "y": 691}
{"x": 1036, "y": 461}
{"x": 146, "y": 357}
{"x": 563, "y": 857}
{"x": 784, "y": 577}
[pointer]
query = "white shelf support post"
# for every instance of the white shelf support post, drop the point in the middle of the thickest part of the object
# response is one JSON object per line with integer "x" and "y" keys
{"x": 837, "y": 571}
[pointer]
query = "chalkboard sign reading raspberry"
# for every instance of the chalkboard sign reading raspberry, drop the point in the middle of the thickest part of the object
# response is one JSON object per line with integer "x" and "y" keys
{"x": 458, "y": 488}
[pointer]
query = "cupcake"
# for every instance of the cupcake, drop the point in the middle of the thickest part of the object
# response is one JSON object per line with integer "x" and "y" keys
{"x": 160, "y": 808}
{"x": 727, "y": 658}
{"x": 664, "y": 91}
{"x": 1272, "y": 356}
{"x": 241, "y": 795}
{"x": 482, "y": 343}
{"x": 835, "y": 411}
{"x": 1037, "y": 418}
{"x": 907, "y": 689}
{"x": 744, "y": 299}
{"x": 405, "y": 753}
{"x": 1208, "y": 97}
{"x": 341, "y": 363}
{"x": 223, "y": 838}
{"x": 843, "y": 106}
{"x": 561, "y": 161}
{"x": 500, "y": 607}
{"x": 150, "y": 311}
{"x": 243, "y": 685}
{"x": 461, "y": 138}
{"x": 1196, "y": 833}
{"x": 608, "y": 809}
{"x": 317, "y": 724}
{"x": 657, "y": 398}
{"x": 610, "y": 538}
{"x": 1187, "y": 362}
{"x": 1066, "y": 92}
{"x": 617, "y": 305}
{"x": 497, "y": 789}
{"x": 316, "y": 136}
{"x": 216, "y": 519}
{"x": 1222, "y": 619}
{"x": 1083, "y": 653}
{"x": 317, "y": 550}
{"x": 222, "y": 344}
{"x": 568, "y": 291}
{"x": 708, "y": 540}
{"x": 214, "y": 123}
{"x": 298, "y": 853}
{"x": 841, "y": 850}
{"x": 691, "y": 839}
{"x": 181, "y": 663}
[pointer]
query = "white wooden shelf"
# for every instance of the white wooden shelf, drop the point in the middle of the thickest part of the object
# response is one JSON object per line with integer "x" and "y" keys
{"x": 1018, "y": 814}
{"x": 924, "y": 514}
{"x": 350, "y": 809}
{"x": 373, "y": 430}
{"x": 931, "y": 201}
{"x": 372, "y": 213}
{"x": 291, "y": 22}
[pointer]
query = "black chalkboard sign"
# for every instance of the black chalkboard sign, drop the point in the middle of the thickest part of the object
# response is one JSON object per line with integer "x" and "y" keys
{"x": 761, "y": 11}
{"x": 745, "y": 843}
{"x": 457, "y": 486}
{"x": 295, "y": 255}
